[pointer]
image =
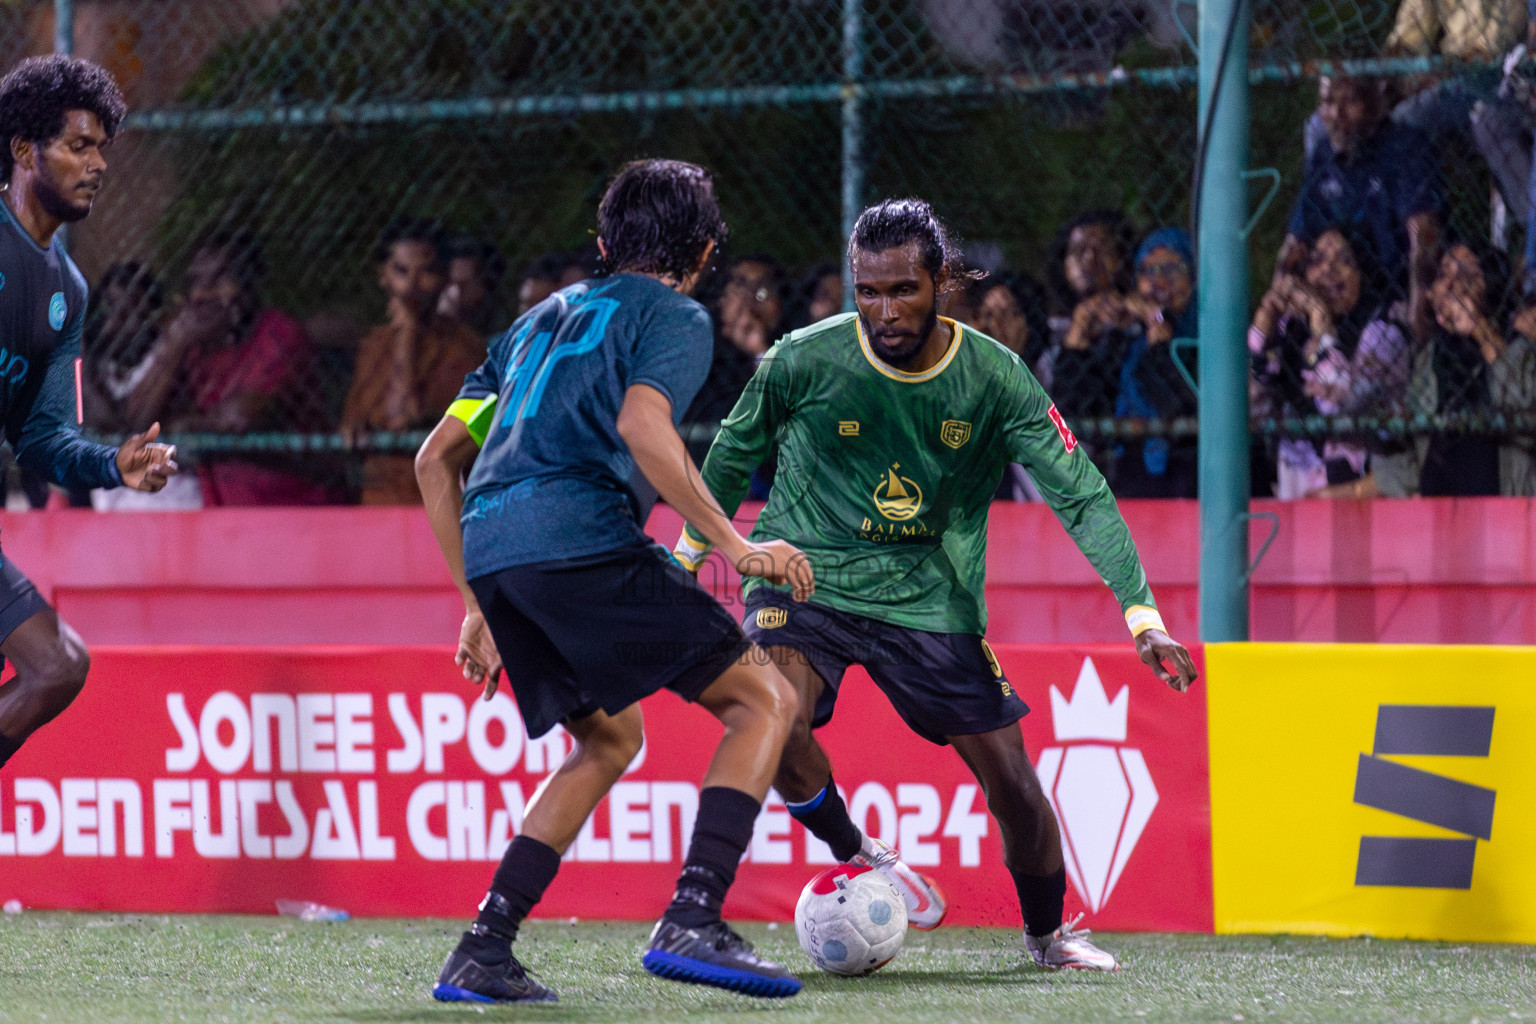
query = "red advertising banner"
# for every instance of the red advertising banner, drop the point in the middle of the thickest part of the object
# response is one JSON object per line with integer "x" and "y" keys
{"x": 374, "y": 780}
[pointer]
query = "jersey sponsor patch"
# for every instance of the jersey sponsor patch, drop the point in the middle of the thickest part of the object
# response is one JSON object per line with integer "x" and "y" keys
{"x": 57, "y": 311}
{"x": 954, "y": 432}
{"x": 771, "y": 618}
{"x": 1067, "y": 437}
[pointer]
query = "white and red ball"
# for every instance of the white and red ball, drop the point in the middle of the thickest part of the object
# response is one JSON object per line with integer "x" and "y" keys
{"x": 850, "y": 920}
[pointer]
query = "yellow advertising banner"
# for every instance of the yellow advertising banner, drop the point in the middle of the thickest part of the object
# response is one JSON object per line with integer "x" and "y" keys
{"x": 1374, "y": 790}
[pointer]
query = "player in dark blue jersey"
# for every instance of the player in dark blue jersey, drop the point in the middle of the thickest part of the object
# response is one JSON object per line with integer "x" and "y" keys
{"x": 57, "y": 114}
{"x": 547, "y": 548}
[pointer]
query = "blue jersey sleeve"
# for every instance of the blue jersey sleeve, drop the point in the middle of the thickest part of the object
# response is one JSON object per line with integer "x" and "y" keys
{"x": 48, "y": 441}
{"x": 485, "y": 380}
{"x": 673, "y": 353}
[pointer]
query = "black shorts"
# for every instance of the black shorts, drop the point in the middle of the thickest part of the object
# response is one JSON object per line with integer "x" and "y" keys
{"x": 942, "y": 684}
{"x": 603, "y": 631}
{"x": 19, "y": 599}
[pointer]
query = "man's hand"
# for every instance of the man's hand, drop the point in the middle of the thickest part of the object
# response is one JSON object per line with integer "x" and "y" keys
{"x": 477, "y": 655}
{"x": 1155, "y": 647}
{"x": 779, "y": 562}
{"x": 146, "y": 466}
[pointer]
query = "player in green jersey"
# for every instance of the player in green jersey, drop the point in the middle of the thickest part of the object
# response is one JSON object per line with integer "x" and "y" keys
{"x": 893, "y": 427}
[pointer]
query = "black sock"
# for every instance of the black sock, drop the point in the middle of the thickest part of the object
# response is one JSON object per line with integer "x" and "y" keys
{"x": 721, "y": 833}
{"x": 8, "y": 747}
{"x": 525, "y": 871}
{"x": 826, "y": 817}
{"x": 1041, "y": 898}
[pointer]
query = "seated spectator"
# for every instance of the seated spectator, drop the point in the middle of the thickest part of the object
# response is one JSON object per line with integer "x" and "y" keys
{"x": 748, "y": 316}
{"x": 1329, "y": 342}
{"x": 475, "y": 270}
{"x": 226, "y": 365}
{"x": 542, "y": 279}
{"x": 121, "y": 329}
{"x": 1374, "y": 178}
{"x": 410, "y": 369}
{"x": 818, "y": 295}
{"x": 1091, "y": 270}
{"x": 1465, "y": 107}
{"x": 1150, "y": 383}
{"x": 1010, "y": 308}
{"x": 1470, "y": 367}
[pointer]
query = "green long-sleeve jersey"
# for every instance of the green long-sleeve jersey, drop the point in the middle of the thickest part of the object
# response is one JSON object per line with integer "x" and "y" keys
{"x": 885, "y": 477}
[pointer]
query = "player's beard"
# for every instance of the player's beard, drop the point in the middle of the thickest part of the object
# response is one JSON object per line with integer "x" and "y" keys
{"x": 54, "y": 203}
{"x": 906, "y": 353}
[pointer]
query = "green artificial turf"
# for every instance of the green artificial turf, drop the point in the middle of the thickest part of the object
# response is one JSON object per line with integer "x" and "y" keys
{"x": 108, "y": 967}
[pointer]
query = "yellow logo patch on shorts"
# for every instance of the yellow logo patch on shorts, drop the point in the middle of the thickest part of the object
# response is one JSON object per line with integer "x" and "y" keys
{"x": 997, "y": 670}
{"x": 771, "y": 618}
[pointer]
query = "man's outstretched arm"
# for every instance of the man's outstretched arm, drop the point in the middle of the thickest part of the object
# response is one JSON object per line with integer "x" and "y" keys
{"x": 645, "y": 424}
{"x": 441, "y": 464}
{"x": 1076, "y": 491}
{"x": 746, "y": 436}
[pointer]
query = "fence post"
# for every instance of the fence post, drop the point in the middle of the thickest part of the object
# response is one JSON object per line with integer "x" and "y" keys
{"x": 1223, "y": 280}
{"x": 853, "y": 130}
{"x": 63, "y": 26}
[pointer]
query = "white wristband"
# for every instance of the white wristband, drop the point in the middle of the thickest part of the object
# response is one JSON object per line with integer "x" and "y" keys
{"x": 690, "y": 553}
{"x": 1141, "y": 618}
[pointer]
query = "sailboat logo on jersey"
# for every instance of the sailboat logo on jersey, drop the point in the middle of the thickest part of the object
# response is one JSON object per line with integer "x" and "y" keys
{"x": 898, "y": 497}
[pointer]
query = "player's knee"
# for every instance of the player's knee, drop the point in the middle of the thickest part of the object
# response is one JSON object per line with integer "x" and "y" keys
{"x": 614, "y": 745}
{"x": 62, "y": 676}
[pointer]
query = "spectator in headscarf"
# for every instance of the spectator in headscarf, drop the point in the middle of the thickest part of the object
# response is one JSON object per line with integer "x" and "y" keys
{"x": 1150, "y": 383}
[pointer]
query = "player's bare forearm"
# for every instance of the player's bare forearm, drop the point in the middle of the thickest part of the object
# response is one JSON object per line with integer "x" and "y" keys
{"x": 445, "y": 456}
{"x": 645, "y": 424}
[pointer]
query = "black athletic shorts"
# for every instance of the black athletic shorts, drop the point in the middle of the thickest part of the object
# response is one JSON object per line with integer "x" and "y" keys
{"x": 19, "y": 599}
{"x": 602, "y": 631}
{"x": 942, "y": 684}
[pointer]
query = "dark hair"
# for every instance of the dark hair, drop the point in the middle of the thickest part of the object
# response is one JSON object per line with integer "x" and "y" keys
{"x": 1030, "y": 296}
{"x": 548, "y": 266}
{"x": 1125, "y": 243}
{"x": 657, "y": 216}
{"x": 898, "y": 222}
{"x": 803, "y": 292}
{"x": 1498, "y": 281}
{"x": 127, "y": 273}
{"x": 37, "y": 94}
{"x": 486, "y": 256}
{"x": 413, "y": 229}
{"x": 244, "y": 249}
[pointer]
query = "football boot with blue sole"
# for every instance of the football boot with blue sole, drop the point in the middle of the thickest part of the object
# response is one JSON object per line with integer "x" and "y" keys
{"x": 464, "y": 979}
{"x": 715, "y": 955}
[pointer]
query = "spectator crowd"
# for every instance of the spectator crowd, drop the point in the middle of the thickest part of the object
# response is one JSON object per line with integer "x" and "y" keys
{"x": 1376, "y": 309}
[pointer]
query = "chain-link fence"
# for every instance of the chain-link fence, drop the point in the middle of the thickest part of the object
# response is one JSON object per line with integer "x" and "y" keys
{"x": 1053, "y": 137}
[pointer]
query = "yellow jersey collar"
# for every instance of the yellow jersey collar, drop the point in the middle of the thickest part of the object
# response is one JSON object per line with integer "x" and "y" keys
{"x": 902, "y": 375}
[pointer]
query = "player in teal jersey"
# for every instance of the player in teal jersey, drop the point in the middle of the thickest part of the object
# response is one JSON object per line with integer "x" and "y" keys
{"x": 892, "y": 428}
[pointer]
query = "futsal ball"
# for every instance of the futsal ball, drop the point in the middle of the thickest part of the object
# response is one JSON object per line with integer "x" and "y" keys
{"x": 850, "y": 920}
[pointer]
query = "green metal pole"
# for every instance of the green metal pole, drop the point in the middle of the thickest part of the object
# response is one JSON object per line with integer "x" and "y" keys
{"x": 853, "y": 130}
{"x": 1223, "y": 278}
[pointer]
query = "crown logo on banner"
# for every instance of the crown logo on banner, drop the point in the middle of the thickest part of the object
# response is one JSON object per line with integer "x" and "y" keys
{"x": 1100, "y": 789}
{"x": 1090, "y": 714}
